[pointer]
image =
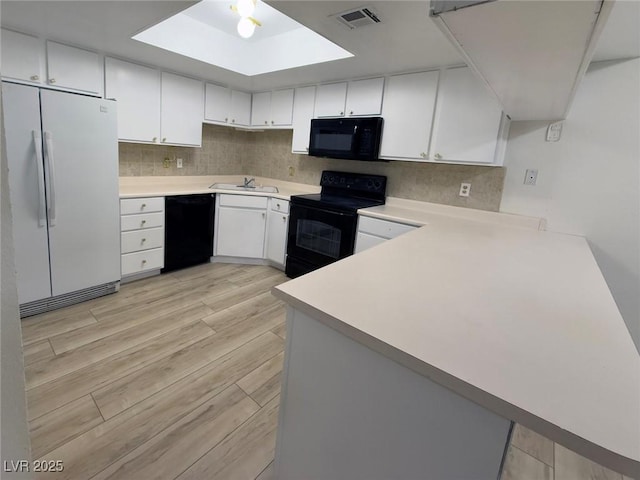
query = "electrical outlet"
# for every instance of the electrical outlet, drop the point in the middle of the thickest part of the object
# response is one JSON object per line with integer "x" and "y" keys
{"x": 178, "y": 162}
{"x": 465, "y": 189}
{"x": 166, "y": 163}
{"x": 531, "y": 177}
{"x": 554, "y": 130}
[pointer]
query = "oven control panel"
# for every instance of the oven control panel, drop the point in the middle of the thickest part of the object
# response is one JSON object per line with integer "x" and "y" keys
{"x": 354, "y": 182}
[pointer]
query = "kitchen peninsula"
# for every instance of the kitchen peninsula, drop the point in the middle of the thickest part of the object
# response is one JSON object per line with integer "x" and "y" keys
{"x": 415, "y": 355}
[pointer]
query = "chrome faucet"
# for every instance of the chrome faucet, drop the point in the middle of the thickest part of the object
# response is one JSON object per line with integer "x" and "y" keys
{"x": 249, "y": 182}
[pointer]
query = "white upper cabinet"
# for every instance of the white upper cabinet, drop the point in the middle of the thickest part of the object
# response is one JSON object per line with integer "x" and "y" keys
{"x": 409, "y": 102}
{"x": 181, "y": 110}
{"x": 74, "y": 68}
{"x": 217, "y": 103}
{"x": 469, "y": 126}
{"x": 282, "y": 107}
{"x": 226, "y": 106}
{"x": 330, "y": 100}
{"x": 260, "y": 109}
{"x": 240, "y": 113}
{"x": 364, "y": 97}
{"x": 303, "y": 104}
{"x": 137, "y": 91}
{"x": 22, "y": 57}
{"x": 272, "y": 109}
{"x": 357, "y": 98}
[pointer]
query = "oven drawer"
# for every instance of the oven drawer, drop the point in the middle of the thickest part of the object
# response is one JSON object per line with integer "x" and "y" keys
{"x": 243, "y": 201}
{"x": 383, "y": 228}
{"x": 280, "y": 206}
{"x": 141, "y": 205}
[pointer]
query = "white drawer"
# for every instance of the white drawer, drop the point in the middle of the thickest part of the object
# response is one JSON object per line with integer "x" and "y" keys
{"x": 245, "y": 201}
{"x": 145, "y": 220}
{"x": 146, "y": 239}
{"x": 281, "y": 206}
{"x": 141, "y": 205}
{"x": 142, "y": 261}
{"x": 383, "y": 228}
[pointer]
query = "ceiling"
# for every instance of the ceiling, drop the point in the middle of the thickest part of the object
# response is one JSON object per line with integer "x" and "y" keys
{"x": 405, "y": 40}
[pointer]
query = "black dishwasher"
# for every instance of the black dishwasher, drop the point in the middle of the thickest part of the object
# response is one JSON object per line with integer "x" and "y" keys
{"x": 188, "y": 234}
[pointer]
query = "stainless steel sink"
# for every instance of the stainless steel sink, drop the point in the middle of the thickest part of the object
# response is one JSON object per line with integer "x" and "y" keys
{"x": 242, "y": 188}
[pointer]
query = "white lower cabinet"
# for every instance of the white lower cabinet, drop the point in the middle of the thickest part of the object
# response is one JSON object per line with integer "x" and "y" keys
{"x": 240, "y": 226}
{"x": 277, "y": 231}
{"x": 373, "y": 231}
{"x": 142, "y": 234}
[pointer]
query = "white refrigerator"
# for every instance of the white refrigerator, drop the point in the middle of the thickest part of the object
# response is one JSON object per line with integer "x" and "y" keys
{"x": 62, "y": 152}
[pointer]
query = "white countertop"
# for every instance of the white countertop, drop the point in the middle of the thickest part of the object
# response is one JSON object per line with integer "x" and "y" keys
{"x": 131, "y": 187}
{"x": 518, "y": 320}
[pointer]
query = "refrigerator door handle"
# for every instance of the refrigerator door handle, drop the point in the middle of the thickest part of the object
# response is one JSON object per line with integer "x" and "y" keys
{"x": 42, "y": 205}
{"x": 48, "y": 141}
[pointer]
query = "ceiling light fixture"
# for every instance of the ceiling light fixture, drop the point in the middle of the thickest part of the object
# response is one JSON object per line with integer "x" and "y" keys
{"x": 247, "y": 24}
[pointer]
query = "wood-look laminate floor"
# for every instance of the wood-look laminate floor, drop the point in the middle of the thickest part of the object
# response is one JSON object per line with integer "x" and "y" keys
{"x": 178, "y": 376}
{"x": 175, "y": 376}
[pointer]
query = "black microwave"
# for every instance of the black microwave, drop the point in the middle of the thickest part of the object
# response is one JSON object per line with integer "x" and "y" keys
{"x": 348, "y": 138}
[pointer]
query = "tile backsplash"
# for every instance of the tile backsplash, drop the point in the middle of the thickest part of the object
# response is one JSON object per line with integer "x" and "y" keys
{"x": 226, "y": 151}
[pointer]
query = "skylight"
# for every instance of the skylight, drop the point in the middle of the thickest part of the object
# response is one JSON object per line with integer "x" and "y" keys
{"x": 207, "y": 32}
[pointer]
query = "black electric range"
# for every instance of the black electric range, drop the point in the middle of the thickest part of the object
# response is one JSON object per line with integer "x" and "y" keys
{"x": 322, "y": 226}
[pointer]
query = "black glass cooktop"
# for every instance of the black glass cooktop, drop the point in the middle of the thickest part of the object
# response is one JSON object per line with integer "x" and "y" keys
{"x": 335, "y": 202}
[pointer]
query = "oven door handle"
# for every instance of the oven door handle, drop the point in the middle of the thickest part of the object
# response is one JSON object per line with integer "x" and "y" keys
{"x": 331, "y": 212}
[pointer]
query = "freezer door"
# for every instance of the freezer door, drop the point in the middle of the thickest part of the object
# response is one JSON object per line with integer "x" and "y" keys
{"x": 21, "y": 112}
{"x": 81, "y": 160}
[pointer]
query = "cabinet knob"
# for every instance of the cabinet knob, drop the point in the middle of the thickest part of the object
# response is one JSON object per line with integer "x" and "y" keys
{"x": 278, "y": 205}
{"x": 143, "y": 222}
{"x": 143, "y": 206}
{"x": 266, "y": 122}
{"x": 284, "y": 218}
{"x": 438, "y": 156}
{"x": 143, "y": 240}
{"x": 155, "y": 139}
{"x": 423, "y": 155}
{"x": 35, "y": 77}
{"x": 341, "y": 113}
{"x": 263, "y": 214}
{"x": 164, "y": 139}
{"x": 351, "y": 112}
{"x": 233, "y": 120}
{"x": 52, "y": 80}
{"x": 271, "y": 122}
{"x": 144, "y": 261}
{"x": 226, "y": 119}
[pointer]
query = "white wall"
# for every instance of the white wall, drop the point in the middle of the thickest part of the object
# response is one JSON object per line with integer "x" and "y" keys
{"x": 589, "y": 182}
{"x": 14, "y": 436}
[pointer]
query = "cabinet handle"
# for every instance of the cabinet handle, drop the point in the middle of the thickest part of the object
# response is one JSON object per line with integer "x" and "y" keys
{"x": 52, "y": 80}
{"x": 35, "y": 77}
{"x": 438, "y": 156}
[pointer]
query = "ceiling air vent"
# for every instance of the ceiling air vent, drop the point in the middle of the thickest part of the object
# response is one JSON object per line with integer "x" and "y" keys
{"x": 357, "y": 18}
